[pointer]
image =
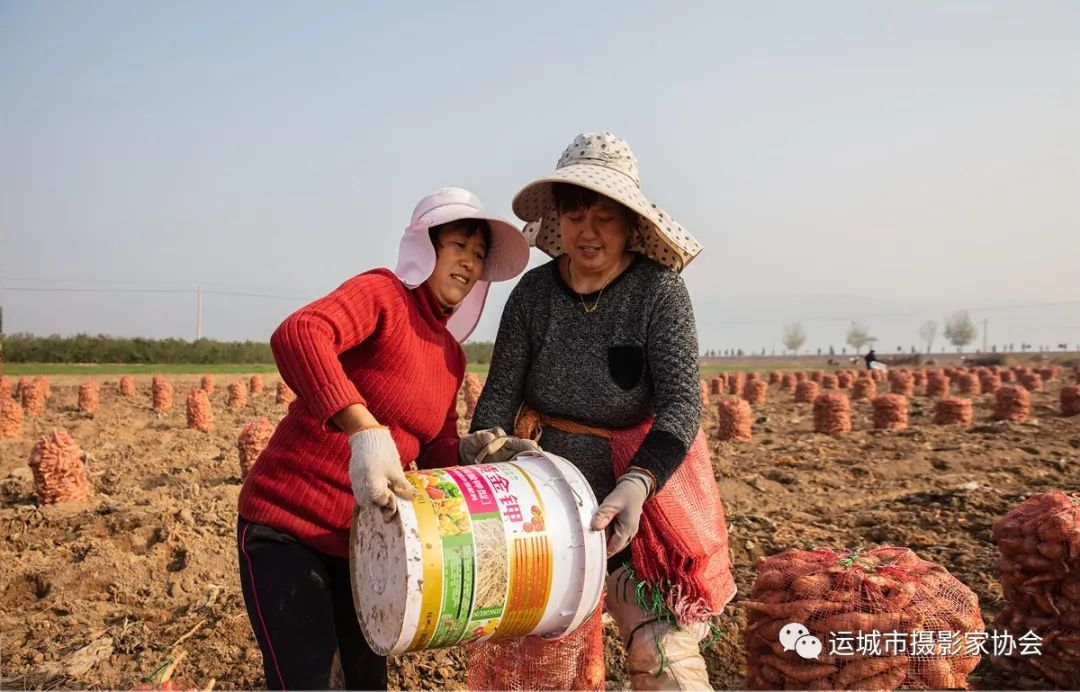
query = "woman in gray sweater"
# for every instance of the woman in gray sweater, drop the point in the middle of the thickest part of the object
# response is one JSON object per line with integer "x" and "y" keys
{"x": 600, "y": 342}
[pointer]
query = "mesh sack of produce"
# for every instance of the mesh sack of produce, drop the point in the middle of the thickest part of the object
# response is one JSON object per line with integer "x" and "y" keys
{"x": 251, "y": 442}
{"x": 704, "y": 393}
{"x": 33, "y": 397}
{"x": 735, "y": 383}
{"x": 1007, "y": 376}
{"x": 844, "y": 379}
{"x": 968, "y": 383}
{"x": 734, "y": 420}
{"x": 937, "y": 385}
{"x": 902, "y": 383}
{"x": 816, "y": 376}
{"x": 1070, "y": 400}
{"x": 11, "y": 418}
{"x": 127, "y": 385}
{"x": 755, "y": 392}
{"x": 989, "y": 382}
{"x": 775, "y": 376}
{"x": 863, "y": 388}
{"x": 58, "y": 470}
{"x": 806, "y": 391}
{"x": 161, "y": 394}
{"x": 885, "y": 598}
{"x": 89, "y": 397}
{"x": 919, "y": 377}
{"x": 255, "y": 385}
{"x": 285, "y": 395}
{"x": 953, "y": 410}
{"x": 890, "y": 412}
{"x": 200, "y": 415}
{"x": 716, "y": 385}
{"x": 572, "y": 662}
{"x": 800, "y": 377}
{"x": 237, "y": 395}
{"x": 832, "y": 413}
{"x": 829, "y": 381}
{"x": 787, "y": 383}
{"x": 471, "y": 388}
{"x": 6, "y": 387}
{"x": 1012, "y": 404}
{"x": 1043, "y": 655}
{"x": 207, "y": 384}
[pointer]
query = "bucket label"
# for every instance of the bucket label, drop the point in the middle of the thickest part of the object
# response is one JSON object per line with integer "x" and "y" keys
{"x": 486, "y": 554}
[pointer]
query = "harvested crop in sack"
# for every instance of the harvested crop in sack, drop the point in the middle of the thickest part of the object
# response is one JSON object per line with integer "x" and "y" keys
{"x": 1012, "y": 404}
{"x": 251, "y": 442}
{"x": 953, "y": 410}
{"x": 787, "y": 383}
{"x": 902, "y": 383}
{"x": 735, "y": 382}
{"x": 256, "y": 385}
{"x": 89, "y": 397}
{"x": 11, "y": 418}
{"x": 890, "y": 412}
{"x": 33, "y": 397}
{"x": 127, "y": 386}
{"x": 1070, "y": 401}
{"x": 734, "y": 420}
{"x": 161, "y": 394}
{"x": 58, "y": 470}
{"x": 207, "y": 384}
{"x": 237, "y": 395}
{"x": 806, "y": 391}
{"x": 863, "y": 388}
{"x": 1032, "y": 381}
{"x": 285, "y": 395}
{"x": 199, "y": 414}
{"x": 832, "y": 413}
{"x": 937, "y": 385}
{"x": 755, "y": 392}
{"x": 885, "y": 590}
{"x": 472, "y": 387}
{"x": 830, "y": 382}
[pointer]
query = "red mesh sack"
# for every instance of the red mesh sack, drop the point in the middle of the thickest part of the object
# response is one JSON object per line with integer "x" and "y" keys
{"x": 805, "y": 392}
{"x": 1012, "y": 404}
{"x": 256, "y": 385}
{"x": 734, "y": 420}
{"x": 832, "y": 413}
{"x": 716, "y": 385}
{"x": 207, "y": 384}
{"x": 838, "y": 597}
{"x": 43, "y": 384}
{"x": 844, "y": 379}
{"x": 58, "y": 470}
{"x": 968, "y": 383}
{"x": 953, "y": 410}
{"x": 161, "y": 394}
{"x": 1070, "y": 401}
{"x": 863, "y": 388}
{"x": 251, "y": 442}
{"x": 902, "y": 383}
{"x": 937, "y": 385}
{"x": 800, "y": 377}
{"x": 830, "y": 382}
{"x": 752, "y": 375}
{"x": 199, "y": 414}
{"x": 574, "y": 661}
{"x": 237, "y": 395}
{"x": 816, "y": 376}
{"x": 1032, "y": 381}
{"x": 775, "y": 376}
{"x": 89, "y": 397}
{"x": 1056, "y": 661}
{"x": 127, "y": 386}
{"x": 1007, "y": 376}
{"x": 735, "y": 382}
{"x": 704, "y": 393}
{"x": 989, "y": 382}
{"x": 11, "y": 418}
{"x": 787, "y": 383}
{"x": 755, "y": 392}
{"x": 5, "y": 386}
{"x": 32, "y": 393}
{"x": 890, "y": 412}
{"x": 285, "y": 395}
{"x": 472, "y": 388}
{"x": 919, "y": 378}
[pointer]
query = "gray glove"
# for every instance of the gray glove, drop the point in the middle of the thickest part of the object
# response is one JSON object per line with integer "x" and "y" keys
{"x": 620, "y": 512}
{"x": 492, "y": 446}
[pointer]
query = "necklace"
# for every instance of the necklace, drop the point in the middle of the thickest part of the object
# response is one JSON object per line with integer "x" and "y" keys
{"x": 589, "y": 310}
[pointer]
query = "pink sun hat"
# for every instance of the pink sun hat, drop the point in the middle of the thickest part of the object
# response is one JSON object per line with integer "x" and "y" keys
{"x": 506, "y": 258}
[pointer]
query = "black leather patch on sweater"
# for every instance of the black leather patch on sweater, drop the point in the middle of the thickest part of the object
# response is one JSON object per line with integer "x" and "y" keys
{"x": 626, "y": 364}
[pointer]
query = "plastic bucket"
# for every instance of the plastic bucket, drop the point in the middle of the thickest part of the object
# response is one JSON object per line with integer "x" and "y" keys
{"x": 485, "y": 552}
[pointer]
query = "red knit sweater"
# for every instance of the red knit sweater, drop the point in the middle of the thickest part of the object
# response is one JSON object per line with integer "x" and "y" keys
{"x": 373, "y": 342}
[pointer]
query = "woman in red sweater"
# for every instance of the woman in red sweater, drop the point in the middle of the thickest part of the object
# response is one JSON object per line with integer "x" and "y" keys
{"x": 376, "y": 366}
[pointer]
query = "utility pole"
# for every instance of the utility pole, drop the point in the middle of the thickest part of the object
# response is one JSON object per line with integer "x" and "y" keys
{"x": 198, "y": 313}
{"x": 986, "y": 323}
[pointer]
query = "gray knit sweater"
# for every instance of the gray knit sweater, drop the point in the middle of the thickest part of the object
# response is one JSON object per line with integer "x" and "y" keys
{"x": 634, "y": 357}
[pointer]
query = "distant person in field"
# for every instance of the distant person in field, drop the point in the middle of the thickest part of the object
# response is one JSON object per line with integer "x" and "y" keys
{"x": 376, "y": 366}
{"x": 871, "y": 358}
{"x": 597, "y": 359}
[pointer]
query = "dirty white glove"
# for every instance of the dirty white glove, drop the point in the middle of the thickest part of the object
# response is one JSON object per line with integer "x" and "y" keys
{"x": 492, "y": 446}
{"x": 375, "y": 471}
{"x": 620, "y": 512}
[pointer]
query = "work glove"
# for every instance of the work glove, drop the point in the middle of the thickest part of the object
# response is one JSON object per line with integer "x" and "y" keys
{"x": 492, "y": 446}
{"x": 375, "y": 471}
{"x": 620, "y": 512}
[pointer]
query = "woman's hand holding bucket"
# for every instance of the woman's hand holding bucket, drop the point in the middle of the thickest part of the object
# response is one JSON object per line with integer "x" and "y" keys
{"x": 375, "y": 470}
{"x": 492, "y": 446}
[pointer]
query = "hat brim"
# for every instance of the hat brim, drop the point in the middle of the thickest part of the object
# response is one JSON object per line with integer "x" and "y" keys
{"x": 509, "y": 252}
{"x": 664, "y": 239}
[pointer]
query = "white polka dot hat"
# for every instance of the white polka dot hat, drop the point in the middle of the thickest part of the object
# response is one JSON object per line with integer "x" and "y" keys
{"x": 604, "y": 163}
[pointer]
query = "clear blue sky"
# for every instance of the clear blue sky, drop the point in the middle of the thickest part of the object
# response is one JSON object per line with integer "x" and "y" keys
{"x": 838, "y": 160}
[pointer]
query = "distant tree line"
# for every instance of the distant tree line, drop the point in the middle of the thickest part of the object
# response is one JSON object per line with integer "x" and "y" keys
{"x": 85, "y": 348}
